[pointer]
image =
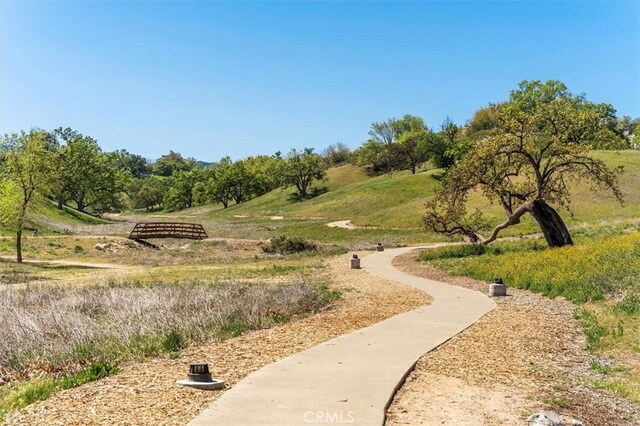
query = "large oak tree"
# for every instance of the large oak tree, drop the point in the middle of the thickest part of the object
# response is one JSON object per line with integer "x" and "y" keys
{"x": 540, "y": 141}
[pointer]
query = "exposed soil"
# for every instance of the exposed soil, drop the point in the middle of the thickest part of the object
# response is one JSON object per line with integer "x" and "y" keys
{"x": 524, "y": 356}
{"x": 146, "y": 393}
{"x": 344, "y": 224}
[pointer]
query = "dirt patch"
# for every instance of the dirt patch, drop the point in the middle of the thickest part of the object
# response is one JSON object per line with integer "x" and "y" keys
{"x": 344, "y": 224}
{"x": 146, "y": 393}
{"x": 524, "y": 356}
{"x": 444, "y": 400}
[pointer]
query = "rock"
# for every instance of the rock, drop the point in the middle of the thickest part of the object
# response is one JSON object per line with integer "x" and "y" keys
{"x": 103, "y": 246}
{"x": 546, "y": 418}
{"x": 130, "y": 243}
{"x": 575, "y": 422}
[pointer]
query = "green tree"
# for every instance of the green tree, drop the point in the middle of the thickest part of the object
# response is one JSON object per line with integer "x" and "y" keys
{"x": 240, "y": 182}
{"x": 483, "y": 122}
{"x": 447, "y": 146}
{"x": 541, "y": 141}
{"x": 265, "y": 172}
{"x": 148, "y": 192}
{"x": 373, "y": 156}
{"x": 26, "y": 174}
{"x": 134, "y": 164}
{"x": 395, "y": 144}
{"x": 180, "y": 193}
{"x": 301, "y": 169}
{"x": 173, "y": 162}
{"x": 218, "y": 184}
{"x": 411, "y": 149}
{"x": 85, "y": 174}
{"x": 337, "y": 154}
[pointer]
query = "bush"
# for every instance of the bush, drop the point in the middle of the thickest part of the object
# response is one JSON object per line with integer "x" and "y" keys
{"x": 593, "y": 331}
{"x": 94, "y": 371}
{"x": 630, "y": 305}
{"x": 284, "y": 245}
{"x": 173, "y": 341}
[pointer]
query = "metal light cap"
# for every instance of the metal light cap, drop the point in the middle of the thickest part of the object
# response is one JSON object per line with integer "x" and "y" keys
{"x": 199, "y": 377}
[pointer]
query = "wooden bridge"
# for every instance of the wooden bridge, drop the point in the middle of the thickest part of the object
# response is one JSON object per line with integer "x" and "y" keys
{"x": 146, "y": 230}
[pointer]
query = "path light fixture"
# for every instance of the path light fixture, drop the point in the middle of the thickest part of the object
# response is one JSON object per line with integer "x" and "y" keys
{"x": 497, "y": 288}
{"x": 380, "y": 247}
{"x": 199, "y": 377}
{"x": 355, "y": 262}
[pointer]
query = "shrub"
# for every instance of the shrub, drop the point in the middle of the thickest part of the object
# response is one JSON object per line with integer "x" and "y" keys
{"x": 284, "y": 245}
{"x": 593, "y": 331}
{"x": 630, "y": 305}
{"x": 94, "y": 371}
{"x": 173, "y": 341}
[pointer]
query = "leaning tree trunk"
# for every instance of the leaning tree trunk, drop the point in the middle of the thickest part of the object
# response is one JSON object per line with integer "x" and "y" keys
{"x": 552, "y": 225}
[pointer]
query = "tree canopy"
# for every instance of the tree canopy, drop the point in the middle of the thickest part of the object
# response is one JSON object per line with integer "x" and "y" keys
{"x": 395, "y": 144}
{"x": 173, "y": 162}
{"x": 85, "y": 174}
{"x": 301, "y": 168}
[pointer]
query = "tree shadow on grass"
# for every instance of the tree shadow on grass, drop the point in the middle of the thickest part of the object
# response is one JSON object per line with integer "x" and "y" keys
{"x": 295, "y": 197}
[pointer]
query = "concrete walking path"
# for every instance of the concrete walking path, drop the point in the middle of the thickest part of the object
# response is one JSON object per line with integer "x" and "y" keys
{"x": 351, "y": 379}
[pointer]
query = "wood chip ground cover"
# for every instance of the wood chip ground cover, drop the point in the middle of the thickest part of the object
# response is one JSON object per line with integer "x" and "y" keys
{"x": 524, "y": 356}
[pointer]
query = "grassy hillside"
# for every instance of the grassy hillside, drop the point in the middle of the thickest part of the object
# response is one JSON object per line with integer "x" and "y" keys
{"x": 386, "y": 201}
{"x": 46, "y": 217}
{"x": 396, "y": 201}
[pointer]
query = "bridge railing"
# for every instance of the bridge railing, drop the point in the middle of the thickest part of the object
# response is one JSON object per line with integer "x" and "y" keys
{"x": 192, "y": 231}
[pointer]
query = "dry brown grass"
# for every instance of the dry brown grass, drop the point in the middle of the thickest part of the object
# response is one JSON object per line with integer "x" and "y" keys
{"x": 56, "y": 324}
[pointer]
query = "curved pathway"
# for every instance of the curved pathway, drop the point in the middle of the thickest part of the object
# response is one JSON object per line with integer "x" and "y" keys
{"x": 352, "y": 378}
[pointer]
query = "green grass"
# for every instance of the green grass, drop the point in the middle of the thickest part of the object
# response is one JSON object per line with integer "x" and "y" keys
{"x": 581, "y": 273}
{"x": 388, "y": 200}
{"x": 466, "y": 250}
{"x": 24, "y": 393}
{"x": 68, "y": 214}
{"x": 45, "y": 217}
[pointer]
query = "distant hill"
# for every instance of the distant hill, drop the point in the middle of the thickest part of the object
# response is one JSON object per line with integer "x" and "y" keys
{"x": 397, "y": 200}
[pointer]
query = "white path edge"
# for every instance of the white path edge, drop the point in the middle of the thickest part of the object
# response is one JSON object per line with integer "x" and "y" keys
{"x": 352, "y": 378}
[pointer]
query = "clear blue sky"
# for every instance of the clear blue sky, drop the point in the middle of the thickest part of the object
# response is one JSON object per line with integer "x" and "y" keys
{"x": 213, "y": 78}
